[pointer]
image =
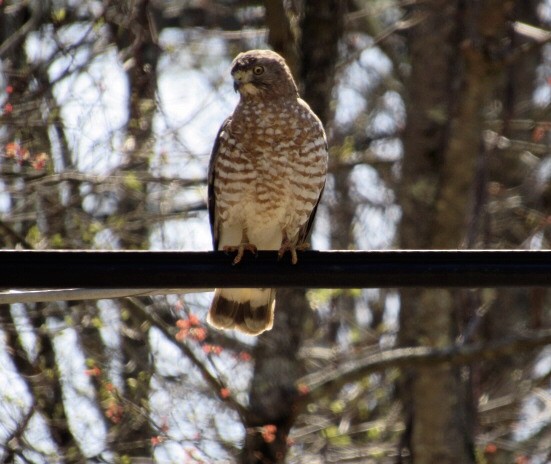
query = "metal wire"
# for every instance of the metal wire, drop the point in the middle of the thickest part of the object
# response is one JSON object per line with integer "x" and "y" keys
{"x": 315, "y": 269}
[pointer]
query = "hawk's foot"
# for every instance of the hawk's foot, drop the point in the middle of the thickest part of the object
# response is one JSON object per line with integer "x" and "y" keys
{"x": 286, "y": 246}
{"x": 241, "y": 248}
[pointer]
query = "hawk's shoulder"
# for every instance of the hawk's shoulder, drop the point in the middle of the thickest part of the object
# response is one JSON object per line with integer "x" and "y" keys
{"x": 211, "y": 198}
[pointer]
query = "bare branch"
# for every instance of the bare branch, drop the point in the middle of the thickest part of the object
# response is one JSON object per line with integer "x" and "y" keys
{"x": 215, "y": 383}
{"x": 14, "y": 40}
{"x": 328, "y": 380}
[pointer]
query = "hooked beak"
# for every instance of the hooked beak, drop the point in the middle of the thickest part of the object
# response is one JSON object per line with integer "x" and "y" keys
{"x": 242, "y": 83}
{"x": 239, "y": 79}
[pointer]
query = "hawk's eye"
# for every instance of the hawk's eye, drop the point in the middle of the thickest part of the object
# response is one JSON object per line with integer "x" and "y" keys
{"x": 258, "y": 70}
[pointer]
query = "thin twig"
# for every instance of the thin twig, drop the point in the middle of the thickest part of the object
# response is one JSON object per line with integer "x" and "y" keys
{"x": 330, "y": 379}
{"x": 215, "y": 383}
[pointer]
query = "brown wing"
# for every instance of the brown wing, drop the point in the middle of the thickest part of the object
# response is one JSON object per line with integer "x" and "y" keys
{"x": 210, "y": 183}
{"x": 305, "y": 229}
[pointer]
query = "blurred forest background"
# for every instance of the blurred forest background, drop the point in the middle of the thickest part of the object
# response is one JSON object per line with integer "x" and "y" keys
{"x": 438, "y": 119}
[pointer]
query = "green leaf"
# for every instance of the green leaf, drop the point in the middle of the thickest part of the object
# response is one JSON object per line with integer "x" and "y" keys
{"x": 33, "y": 235}
{"x": 374, "y": 433}
{"x": 97, "y": 323}
{"x": 132, "y": 182}
{"x": 335, "y": 437}
{"x": 337, "y": 406}
{"x": 59, "y": 15}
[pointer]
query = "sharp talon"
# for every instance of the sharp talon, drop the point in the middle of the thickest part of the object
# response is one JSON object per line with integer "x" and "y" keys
{"x": 238, "y": 256}
{"x": 287, "y": 246}
{"x": 303, "y": 246}
{"x": 240, "y": 249}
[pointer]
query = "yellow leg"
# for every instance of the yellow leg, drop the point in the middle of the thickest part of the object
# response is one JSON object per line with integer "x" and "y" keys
{"x": 286, "y": 246}
{"x": 241, "y": 248}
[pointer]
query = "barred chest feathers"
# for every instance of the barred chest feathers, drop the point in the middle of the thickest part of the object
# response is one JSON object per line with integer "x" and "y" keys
{"x": 274, "y": 160}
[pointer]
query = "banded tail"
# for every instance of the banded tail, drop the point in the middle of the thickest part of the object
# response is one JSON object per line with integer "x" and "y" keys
{"x": 249, "y": 310}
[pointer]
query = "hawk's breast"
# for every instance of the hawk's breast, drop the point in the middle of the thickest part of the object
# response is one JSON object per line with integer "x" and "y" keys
{"x": 270, "y": 167}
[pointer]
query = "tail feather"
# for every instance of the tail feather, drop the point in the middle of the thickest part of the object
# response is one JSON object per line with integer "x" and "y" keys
{"x": 250, "y": 311}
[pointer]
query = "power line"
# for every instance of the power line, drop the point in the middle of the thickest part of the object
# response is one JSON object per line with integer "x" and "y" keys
{"x": 315, "y": 269}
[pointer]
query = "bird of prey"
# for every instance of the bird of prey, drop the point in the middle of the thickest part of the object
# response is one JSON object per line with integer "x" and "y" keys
{"x": 266, "y": 176}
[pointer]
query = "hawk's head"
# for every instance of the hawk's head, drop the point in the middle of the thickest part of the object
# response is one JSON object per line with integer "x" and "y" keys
{"x": 262, "y": 72}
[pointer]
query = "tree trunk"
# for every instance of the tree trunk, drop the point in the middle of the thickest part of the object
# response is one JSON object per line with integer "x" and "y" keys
{"x": 134, "y": 33}
{"x": 452, "y": 56}
{"x": 273, "y": 398}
